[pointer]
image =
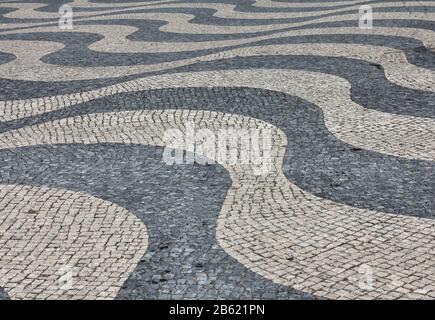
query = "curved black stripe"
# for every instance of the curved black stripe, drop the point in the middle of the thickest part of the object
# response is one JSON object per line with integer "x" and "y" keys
{"x": 370, "y": 88}
{"x": 6, "y": 57}
{"x": 178, "y": 204}
{"x": 77, "y": 54}
{"x": 245, "y": 6}
{"x": 205, "y": 15}
{"x": 315, "y": 160}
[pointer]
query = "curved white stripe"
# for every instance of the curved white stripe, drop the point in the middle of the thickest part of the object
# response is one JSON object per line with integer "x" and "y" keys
{"x": 28, "y": 66}
{"x": 279, "y": 4}
{"x": 180, "y": 23}
{"x": 223, "y": 10}
{"x": 267, "y": 223}
{"x": 72, "y": 245}
{"x": 92, "y": 4}
{"x": 29, "y": 10}
{"x": 226, "y": 11}
{"x": 116, "y": 38}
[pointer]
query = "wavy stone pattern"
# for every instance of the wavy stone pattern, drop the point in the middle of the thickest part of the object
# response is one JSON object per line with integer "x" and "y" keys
{"x": 350, "y": 187}
{"x": 243, "y": 227}
{"x": 407, "y": 76}
{"x": 315, "y": 160}
{"x": 58, "y": 244}
{"x": 369, "y": 129}
{"x": 3, "y": 295}
{"x": 177, "y": 203}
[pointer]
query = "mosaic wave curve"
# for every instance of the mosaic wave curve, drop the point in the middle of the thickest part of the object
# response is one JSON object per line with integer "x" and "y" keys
{"x": 352, "y": 179}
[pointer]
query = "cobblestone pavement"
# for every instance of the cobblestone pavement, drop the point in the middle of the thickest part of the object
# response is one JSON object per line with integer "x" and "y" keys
{"x": 340, "y": 204}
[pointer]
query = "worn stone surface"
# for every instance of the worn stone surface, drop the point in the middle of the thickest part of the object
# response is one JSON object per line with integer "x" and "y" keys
{"x": 3, "y": 294}
{"x": 345, "y": 210}
{"x": 179, "y": 205}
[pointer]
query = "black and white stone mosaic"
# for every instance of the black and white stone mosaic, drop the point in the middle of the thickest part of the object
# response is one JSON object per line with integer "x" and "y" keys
{"x": 88, "y": 210}
{"x": 178, "y": 204}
